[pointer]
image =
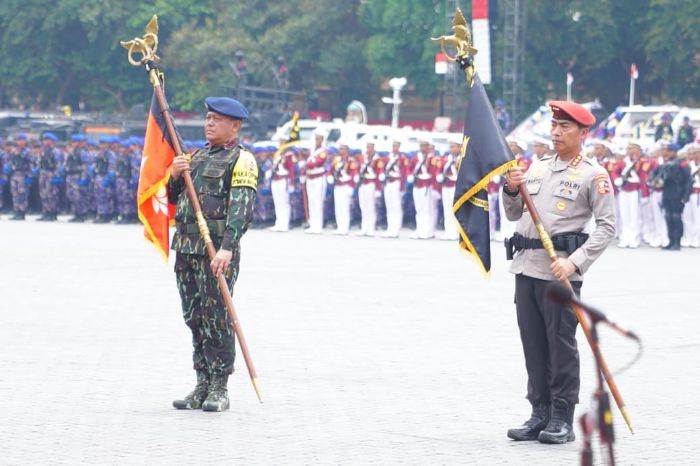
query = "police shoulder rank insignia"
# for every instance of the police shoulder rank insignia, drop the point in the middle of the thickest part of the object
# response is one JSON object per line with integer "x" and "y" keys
{"x": 603, "y": 182}
{"x": 245, "y": 172}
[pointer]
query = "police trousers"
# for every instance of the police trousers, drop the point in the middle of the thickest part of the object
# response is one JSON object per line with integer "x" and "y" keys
{"x": 548, "y": 336}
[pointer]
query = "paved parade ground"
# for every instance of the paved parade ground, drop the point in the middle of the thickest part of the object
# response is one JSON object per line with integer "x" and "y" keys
{"x": 369, "y": 351}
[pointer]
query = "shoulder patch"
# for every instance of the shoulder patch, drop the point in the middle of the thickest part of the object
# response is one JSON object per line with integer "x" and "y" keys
{"x": 245, "y": 172}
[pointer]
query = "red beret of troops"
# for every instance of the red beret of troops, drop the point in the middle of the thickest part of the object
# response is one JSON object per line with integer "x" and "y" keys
{"x": 565, "y": 110}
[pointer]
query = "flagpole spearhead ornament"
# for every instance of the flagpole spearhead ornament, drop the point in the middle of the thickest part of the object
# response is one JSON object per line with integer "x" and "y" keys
{"x": 146, "y": 45}
{"x": 462, "y": 42}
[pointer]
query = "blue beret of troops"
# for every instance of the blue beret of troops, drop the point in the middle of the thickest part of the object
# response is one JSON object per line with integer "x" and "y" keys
{"x": 91, "y": 142}
{"x": 355, "y": 151}
{"x": 226, "y": 106}
{"x": 104, "y": 140}
{"x": 22, "y": 137}
{"x": 50, "y": 137}
{"x": 673, "y": 146}
{"x": 78, "y": 138}
{"x": 383, "y": 153}
{"x": 332, "y": 150}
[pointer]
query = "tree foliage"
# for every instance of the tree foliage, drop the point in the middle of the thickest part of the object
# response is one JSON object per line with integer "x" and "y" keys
{"x": 66, "y": 51}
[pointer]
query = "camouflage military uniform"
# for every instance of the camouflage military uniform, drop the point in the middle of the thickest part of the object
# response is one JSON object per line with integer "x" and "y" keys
{"x": 226, "y": 181}
{"x": 75, "y": 174}
{"x": 3, "y": 177}
{"x": 21, "y": 165}
{"x": 102, "y": 185}
{"x": 126, "y": 193}
{"x": 48, "y": 181}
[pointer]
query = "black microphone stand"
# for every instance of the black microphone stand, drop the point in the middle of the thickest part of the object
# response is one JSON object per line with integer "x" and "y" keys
{"x": 604, "y": 422}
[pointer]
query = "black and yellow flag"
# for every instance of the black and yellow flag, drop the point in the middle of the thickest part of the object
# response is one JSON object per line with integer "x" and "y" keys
{"x": 294, "y": 135}
{"x": 485, "y": 154}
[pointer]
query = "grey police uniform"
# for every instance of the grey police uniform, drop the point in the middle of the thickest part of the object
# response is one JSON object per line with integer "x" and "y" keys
{"x": 566, "y": 194}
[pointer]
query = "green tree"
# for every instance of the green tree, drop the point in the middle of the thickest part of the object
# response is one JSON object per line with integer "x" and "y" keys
{"x": 672, "y": 46}
{"x": 399, "y": 40}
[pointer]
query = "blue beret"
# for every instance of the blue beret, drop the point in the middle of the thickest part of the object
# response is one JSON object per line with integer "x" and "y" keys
{"x": 332, "y": 150}
{"x": 126, "y": 143}
{"x": 258, "y": 149}
{"x": 50, "y": 137}
{"x": 383, "y": 153}
{"x": 271, "y": 148}
{"x": 673, "y": 146}
{"x": 499, "y": 102}
{"x": 91, "y": 142}
{"x": 355, "y": 151}
{"x": 105, "y": 140}
{"x": 78, "y": 138}
{"x": 22, "y": 137}
{"x": 226, "y": 106}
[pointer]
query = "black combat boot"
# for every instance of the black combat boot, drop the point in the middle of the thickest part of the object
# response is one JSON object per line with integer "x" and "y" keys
{"x": 102, "y": 219}
{"x": 560, "y": 428}
{"x": 51, "y": 217}
{"x": 217, "y": 400}
{"x": 77, "y": 219}
{"x": 18, "y": 216}
{"x": 195, "y": 399}
{"x": 533, "y": 426}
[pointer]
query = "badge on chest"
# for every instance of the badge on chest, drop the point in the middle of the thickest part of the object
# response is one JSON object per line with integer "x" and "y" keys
{"x": 568, "y": 189}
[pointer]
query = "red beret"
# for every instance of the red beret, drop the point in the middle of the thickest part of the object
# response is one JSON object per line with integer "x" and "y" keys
{"x": 565, "y": 110}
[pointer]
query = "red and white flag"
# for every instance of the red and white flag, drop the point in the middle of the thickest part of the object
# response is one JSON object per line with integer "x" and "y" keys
{"x": 634, "y": 73}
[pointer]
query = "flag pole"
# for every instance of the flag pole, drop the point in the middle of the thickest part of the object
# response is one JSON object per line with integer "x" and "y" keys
{"x": 147, "y": 46}
{"x": 461, "y": 41}
{"x": 632, "y": 79}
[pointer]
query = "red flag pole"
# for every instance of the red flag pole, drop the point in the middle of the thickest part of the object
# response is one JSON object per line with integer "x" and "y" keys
{"x": 147, "y": 46}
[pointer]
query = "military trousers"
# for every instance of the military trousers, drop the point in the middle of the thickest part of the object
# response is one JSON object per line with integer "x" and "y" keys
{"x": 548, "y": 336}
{"x": 204, "y": 311}
{"x": 20, "y": 191}
{"x": 48, "y": 192}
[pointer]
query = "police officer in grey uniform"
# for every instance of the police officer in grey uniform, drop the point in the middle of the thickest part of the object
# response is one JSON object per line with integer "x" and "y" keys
{"x": 567, "y": 189}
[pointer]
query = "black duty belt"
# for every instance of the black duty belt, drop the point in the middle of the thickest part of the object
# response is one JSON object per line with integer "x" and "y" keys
{"x": 568, "y": 242}
{"x": 216, "y": 228}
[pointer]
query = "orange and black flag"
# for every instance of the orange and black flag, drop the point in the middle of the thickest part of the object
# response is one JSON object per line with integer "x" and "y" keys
{"x": 485, "y": 154}
{"x": 152, "y": 199}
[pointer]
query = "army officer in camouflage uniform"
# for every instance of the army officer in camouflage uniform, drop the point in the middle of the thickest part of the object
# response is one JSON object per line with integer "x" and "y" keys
{"x": 566, "y": 188}
{"x": 225, "y": 177}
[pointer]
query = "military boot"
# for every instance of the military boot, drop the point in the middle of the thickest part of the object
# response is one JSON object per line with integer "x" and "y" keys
{"x": 217, "y": 400}
{"x": 102, "y": 219}
{"x": 18, "y": 216}
{"x": 77, "y": 219}
{"x": 560, "y": 428}
{"x": 195, "y": 399}
{"x": 533, "y": 426}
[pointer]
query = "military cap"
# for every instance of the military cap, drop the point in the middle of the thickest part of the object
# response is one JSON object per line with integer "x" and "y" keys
{"x": 226, "y": 106}
{"x": 673, "y": 146}
{"x": 105, "y": 140}
{"x": 565, "y": 110}
{"x": 271, "y": 148}
{"x": 332, "y": 150}
{"x": 22, "y": 137}
{"x": 50, "y": 137}
{"x": 78, "y": 138}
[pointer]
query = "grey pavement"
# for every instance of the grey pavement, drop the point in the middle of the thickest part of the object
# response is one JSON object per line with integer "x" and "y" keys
{"x": 369, "y": 351}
